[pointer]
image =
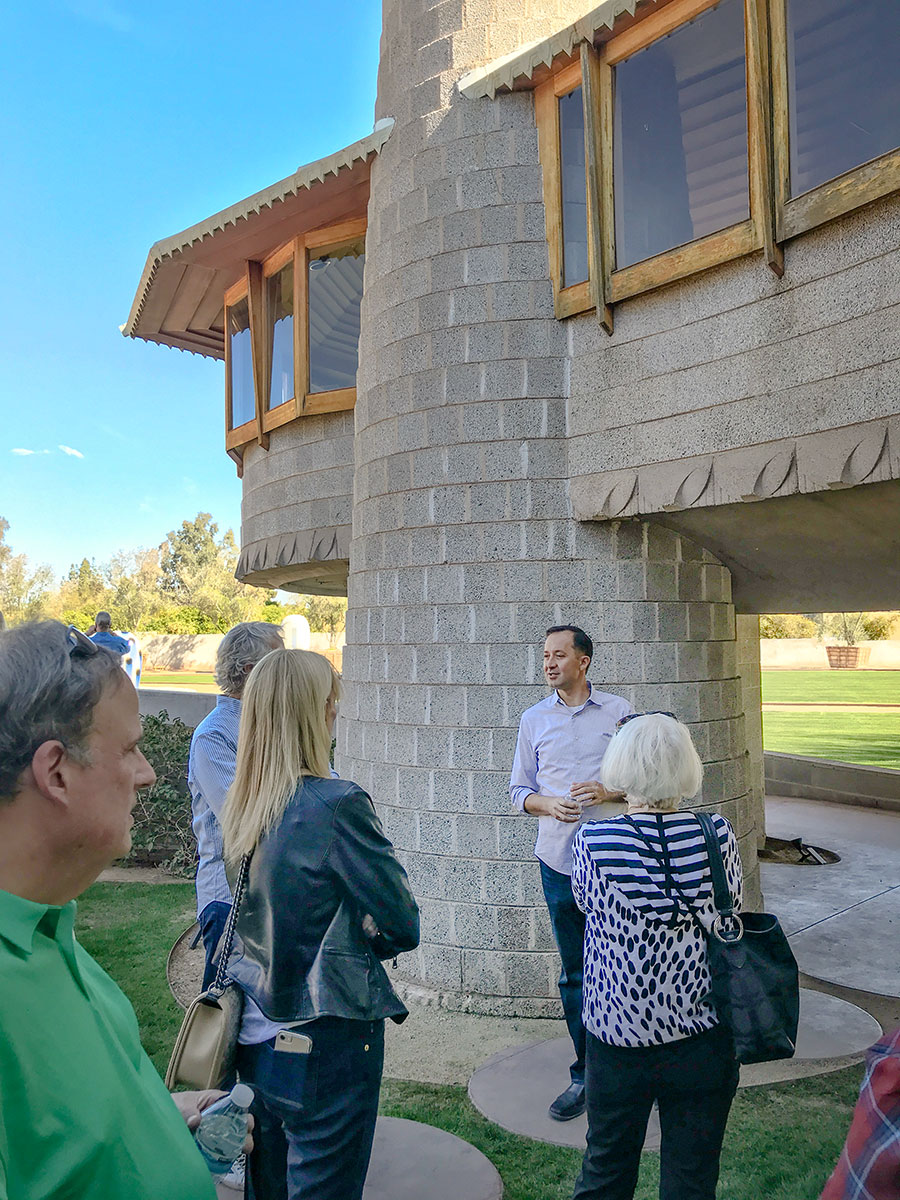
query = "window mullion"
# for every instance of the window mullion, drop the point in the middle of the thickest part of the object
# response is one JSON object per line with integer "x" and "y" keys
{"x": 301, "y": 325}
{"x": 256, "y": 294}
{"x": 599, "y": 178}
{"x": 777, "y": 22}
{"x": 759, "y": 113}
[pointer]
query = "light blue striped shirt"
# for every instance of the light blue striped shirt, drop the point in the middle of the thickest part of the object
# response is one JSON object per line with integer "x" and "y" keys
{"x": 556, "y": 747}
{"x": 210, "y": 775}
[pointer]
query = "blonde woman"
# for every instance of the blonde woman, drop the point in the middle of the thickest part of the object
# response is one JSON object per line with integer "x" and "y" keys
{"x": 643, "y": 881}
{"x": 325, "y": 902}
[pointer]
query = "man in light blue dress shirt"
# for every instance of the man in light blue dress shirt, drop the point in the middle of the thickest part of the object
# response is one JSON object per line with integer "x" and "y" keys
{"x": 555, "y": 777}
{"x": 211, "y": 772}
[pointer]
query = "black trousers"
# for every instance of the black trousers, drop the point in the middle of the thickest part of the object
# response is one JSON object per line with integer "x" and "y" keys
{"x": 315, "y": 1113}
{"x": 693, "y": 1080}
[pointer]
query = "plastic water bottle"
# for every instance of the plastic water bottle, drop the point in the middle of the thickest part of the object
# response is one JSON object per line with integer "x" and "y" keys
{"x": 223, "y": 1128}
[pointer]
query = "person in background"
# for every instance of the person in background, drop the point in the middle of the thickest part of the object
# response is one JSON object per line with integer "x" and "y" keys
{"x": 104, "y": 636}
{"x": 83, "y": 1112}
{"x": 555, "y": 777}
{"x": 326, "y": 900}
{"x": 644, "y": 883}
{"x": 211, "y": 770}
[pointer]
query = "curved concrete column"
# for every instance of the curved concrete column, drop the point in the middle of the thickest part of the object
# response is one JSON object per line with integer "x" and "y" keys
{"x": 464, "y": 547}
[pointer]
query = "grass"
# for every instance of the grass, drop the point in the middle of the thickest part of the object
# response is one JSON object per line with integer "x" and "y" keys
{"x": 871, "y": 739}
{"x": 781, "y": 1144}
{"x": 831, "y": 687}
{"x": 200, "y": 681}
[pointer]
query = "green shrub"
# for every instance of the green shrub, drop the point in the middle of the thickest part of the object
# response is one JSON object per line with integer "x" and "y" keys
{"x": 162, "y": 816}
{"x": 787, "y": 625}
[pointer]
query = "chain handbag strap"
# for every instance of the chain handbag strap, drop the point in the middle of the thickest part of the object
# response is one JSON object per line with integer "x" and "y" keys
{"x": 218, "y": 984}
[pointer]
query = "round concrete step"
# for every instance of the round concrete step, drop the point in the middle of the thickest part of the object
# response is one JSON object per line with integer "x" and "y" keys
{"x": 514, "y": 1088}
{"x": 411, "y": 1161}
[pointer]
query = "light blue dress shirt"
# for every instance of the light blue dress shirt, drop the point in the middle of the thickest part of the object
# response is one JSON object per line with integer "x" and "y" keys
{"x": 556, "y": 747}
{"x": 210, "y": 774}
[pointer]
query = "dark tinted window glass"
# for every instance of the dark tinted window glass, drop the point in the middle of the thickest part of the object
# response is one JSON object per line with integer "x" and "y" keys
{"x": 335, "y": 290}
{"x": 243, "y": 405}
{"x": 844, "y": 86}
{"x": 280, "y": 308}
{"x": 574, "y": 189}
{"x": 680, "y": 136}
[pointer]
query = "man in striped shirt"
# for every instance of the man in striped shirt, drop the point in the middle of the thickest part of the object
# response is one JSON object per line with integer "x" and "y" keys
{"x": 555, "y": 777}
{"x": 211, "y": 771}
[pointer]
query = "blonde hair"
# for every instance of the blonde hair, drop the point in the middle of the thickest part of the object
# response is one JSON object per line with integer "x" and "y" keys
{"x": 652, "y": 758}
{"x": 283, "y": 736}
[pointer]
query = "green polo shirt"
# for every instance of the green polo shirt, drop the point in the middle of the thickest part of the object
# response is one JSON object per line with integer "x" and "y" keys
{"x": 83, "y": 1113}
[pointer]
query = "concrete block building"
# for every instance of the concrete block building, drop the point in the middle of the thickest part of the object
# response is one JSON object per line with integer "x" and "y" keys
{"x": 599, "y": 325}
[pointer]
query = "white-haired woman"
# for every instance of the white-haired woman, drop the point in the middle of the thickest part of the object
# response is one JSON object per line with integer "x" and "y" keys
{"x": 325, "y": 902}
{"x": 643, "y": 881}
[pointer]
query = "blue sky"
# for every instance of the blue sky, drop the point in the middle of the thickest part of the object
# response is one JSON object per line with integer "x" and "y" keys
{"x": 122, "y": 124}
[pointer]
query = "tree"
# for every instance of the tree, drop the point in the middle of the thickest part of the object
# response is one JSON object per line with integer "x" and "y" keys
{"x": 326, "y": 614}
{"x": 23, "y": 589}
{"x": 787, "y": 625}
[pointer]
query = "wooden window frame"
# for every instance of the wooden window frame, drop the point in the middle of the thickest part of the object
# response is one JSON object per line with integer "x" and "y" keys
{"x": 835, "y": 197}
{"x": 577, "y": 297}
{"x": 253, "y": 288}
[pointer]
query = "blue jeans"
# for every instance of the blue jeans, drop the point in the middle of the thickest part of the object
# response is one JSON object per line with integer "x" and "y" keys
{"x": 212, "y": 920}
{"x": 315, "y": 1113}
{"x": 567, "y": 922}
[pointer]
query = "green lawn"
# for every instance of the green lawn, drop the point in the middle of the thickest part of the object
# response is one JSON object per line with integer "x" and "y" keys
{"x": 831, "y": 687}
{"x": 200, "y": 681}
{"x": 781, "y": 1144}
{"x": 872, "y": 739}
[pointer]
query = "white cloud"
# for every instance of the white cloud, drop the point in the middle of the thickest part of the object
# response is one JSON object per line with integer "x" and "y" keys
{"x": 23, "y": 452}
{"x": 70, "y": 451}
{"x": 101, "y": 13}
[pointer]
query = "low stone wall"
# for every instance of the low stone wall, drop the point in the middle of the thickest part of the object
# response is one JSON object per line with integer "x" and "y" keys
{"x": 190, "y": 707}
{"x": 838, "y": 782}
{"x": 806, "y": 654}
{"x": 197, "y": 652}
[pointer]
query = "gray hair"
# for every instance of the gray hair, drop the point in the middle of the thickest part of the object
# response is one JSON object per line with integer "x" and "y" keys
{"x": 652, "y": 758}
{"x": 103, "y": 620}
{"x": 243, "y": 646}
{"x": 50, "y": 684}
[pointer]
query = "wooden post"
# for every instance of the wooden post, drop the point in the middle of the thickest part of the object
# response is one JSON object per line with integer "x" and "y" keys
{"x": 597, "y": 144}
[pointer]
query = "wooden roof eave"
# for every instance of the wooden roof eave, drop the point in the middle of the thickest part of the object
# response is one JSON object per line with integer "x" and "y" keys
{"x": 178, "y": 301}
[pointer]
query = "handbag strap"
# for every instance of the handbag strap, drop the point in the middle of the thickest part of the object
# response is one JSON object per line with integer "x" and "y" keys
{"x": 218, "y": 984}
{"x": 721, "y": 891}
{"x": 665, "y": 864}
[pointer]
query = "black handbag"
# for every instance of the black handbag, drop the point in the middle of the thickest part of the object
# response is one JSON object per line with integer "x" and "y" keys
{"x": 755, "y": 981}
{"x": 755, "y": 987}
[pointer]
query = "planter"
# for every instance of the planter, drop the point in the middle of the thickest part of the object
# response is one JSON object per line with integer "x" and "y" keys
{"x": 847, "y": 657}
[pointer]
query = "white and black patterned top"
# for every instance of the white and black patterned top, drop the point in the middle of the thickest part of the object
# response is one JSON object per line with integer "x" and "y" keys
{"x": 645, "y": 964}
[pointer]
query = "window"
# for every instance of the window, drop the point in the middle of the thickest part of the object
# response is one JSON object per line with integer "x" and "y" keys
{"x": 562, "y": 148}
{"x": 681, "y": 168}
{"x": 240, "y": 401}
{"x": 837, "y": 107}
{"x": 293, "y": 334}
{"x": 710, "y": 129}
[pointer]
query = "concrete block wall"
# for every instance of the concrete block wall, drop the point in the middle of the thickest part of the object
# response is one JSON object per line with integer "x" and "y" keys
{"x": 303, "y": 482}
{"x": 735, "y": 356}
{"x": 464, "y": 548}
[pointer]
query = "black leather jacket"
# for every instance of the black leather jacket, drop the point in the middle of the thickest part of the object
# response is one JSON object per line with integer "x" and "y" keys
{"x": 300, "y": 951}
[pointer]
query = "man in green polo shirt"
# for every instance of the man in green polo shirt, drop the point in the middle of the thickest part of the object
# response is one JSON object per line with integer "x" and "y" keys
{"x": 83, "y": 1113}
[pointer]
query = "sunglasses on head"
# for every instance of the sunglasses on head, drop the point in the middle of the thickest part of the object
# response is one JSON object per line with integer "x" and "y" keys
{"x": 655, "y": 712}
{"x": 80, "y": 643}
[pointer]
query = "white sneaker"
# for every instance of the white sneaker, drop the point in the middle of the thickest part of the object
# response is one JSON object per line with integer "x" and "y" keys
{"x": 235, "y": 1177}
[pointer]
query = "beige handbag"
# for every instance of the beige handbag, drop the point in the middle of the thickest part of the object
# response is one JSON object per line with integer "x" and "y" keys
{"x": 207, "y": 1041}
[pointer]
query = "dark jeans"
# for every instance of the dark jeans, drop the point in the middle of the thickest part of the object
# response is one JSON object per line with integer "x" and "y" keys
{"x": 694, "y": 1081}
{"x": 212, "y": 920}
{"x": 567, "y": 921}
{"x": 315, "y": 1113}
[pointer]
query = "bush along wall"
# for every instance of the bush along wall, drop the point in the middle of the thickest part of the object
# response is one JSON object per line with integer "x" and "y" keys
{"x": 162, "y": 833}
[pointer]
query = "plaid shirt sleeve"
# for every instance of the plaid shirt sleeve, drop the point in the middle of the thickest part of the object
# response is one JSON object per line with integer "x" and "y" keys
{"x": 869, "y": 1166}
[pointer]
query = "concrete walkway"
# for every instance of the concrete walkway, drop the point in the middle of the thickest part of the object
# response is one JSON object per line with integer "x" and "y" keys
{"x": 843, "y": 919}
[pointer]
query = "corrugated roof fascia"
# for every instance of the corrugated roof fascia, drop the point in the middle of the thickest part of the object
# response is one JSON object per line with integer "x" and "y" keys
{"x": 303, "y": 178}
{"x": 521, "y": 64}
